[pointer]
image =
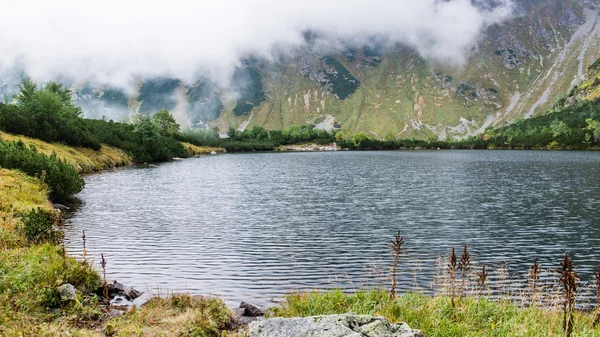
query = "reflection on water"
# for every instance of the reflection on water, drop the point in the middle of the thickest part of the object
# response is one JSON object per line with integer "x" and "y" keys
{"x": 255, "y": 226}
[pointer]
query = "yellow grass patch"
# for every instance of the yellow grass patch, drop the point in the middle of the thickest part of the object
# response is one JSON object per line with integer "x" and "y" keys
{"x": 19, "y": 194}
{"x": 194, "y": 150}
{"x": 83, "y": 159}
{"x": 177, "y": 315}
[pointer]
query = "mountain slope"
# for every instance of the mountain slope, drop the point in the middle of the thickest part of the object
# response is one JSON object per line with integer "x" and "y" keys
{"x": 518, "y": 69}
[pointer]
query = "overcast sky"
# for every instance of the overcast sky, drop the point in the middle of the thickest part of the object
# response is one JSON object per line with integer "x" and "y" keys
{"x": 115, "y": 42}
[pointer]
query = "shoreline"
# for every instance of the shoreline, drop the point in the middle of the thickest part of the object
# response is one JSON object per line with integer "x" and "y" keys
{"x": 113, "y": 320}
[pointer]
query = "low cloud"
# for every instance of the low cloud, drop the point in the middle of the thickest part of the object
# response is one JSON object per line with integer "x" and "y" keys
{"x": 119, "y": 42}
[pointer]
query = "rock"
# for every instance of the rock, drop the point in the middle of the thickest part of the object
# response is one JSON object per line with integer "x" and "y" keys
{"x": 115, "y": 313}
{"x": 142, "y": 299}
{"x": 60, "y": 207}
{"x": 213, "y": 153}
{"x": 240, "y": 320}
{"x": 67, "y": 292}
{"x": 121, "y": 301}
{"x": 251, "y": 310}
{"x": 151, "y": 165}
{"x": 238, "y": 311}
{"x": 347, "y": 325}
{"x": 115, "y": 288}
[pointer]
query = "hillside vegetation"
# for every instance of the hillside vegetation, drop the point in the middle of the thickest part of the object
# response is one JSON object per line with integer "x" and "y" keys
{"x": 574, "y": 121}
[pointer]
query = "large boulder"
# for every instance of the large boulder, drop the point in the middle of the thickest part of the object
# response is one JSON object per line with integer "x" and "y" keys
{"x": 346, "y": 325}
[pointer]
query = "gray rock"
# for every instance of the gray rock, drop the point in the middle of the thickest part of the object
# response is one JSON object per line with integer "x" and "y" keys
{"x": 60, "y": 207}
{"x": 346, "y": 325}
{"x": 115, "y": 312}
{"x": 240, "y": 320}
{"x": 67, "y": 292}
{"x": 115, "y": 288}
{"x": 251, "y": 310}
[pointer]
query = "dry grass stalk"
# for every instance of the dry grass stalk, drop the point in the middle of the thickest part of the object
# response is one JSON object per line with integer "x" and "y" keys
{"x": 464, "y": 267}
{"x": 452, "y": 268}
{"x": 568, "y": 278}
{"x": 597, "y": 313}
{"x": 416, "y": 268}
{"x": 397, "y": 250}
{"x": 534, "y": 277}
{"x": 104, "y": 284}
{"x": 482, "y": 278}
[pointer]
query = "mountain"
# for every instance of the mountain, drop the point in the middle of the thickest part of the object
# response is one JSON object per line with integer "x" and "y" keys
{"x": 518, "y": 69}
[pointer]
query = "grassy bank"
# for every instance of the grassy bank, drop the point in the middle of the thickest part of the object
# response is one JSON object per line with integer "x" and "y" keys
{"x": 84, "y": 160}
{"x": 194, "y": 150}
{"x": 33, "y": 264}
{"x": 472, "y": 316}
{"x": 31, "y": 273}
{"x": 20, "y": 194}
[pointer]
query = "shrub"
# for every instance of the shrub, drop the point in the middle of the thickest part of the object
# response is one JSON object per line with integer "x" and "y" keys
{"x": 62, "y": 179}
{"x": 38, "y": 227}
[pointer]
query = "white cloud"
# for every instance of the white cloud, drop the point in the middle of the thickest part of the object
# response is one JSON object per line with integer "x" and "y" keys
{"x": 117, "y": 42}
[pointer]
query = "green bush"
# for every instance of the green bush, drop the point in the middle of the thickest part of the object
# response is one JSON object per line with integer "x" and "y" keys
{"x": 62, "y": 179}
{"x": 38, "y": 227}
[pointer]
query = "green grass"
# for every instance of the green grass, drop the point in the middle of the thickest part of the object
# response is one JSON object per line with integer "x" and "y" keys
{"x": 434, "y": 315}
{"x": 29, "y": 277}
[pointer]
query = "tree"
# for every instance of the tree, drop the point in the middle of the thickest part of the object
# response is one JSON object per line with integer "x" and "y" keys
{"x": 559, "y": 128}
{"x": 594, "y": 127}
{"x": 53, "y": 116}
{"x": 165, "y": 123}
{"x": 360, "y": 138}
{"x": 145, "y": 127}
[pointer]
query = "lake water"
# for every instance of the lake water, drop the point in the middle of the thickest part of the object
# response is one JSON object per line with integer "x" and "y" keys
{"x": 255, "y": 226}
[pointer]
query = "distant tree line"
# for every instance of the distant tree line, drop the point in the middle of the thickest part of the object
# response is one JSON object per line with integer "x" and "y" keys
{"x": 576, "y": 126}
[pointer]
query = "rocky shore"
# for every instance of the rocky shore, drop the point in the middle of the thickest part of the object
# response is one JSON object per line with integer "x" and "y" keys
{"x": 308, "y": 148}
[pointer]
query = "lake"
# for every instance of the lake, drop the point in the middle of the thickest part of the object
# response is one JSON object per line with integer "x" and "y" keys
{"x": 255, "y": 226}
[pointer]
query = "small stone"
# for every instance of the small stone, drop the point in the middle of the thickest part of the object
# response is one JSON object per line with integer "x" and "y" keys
{"x": 67, "y": 292}
{"x": 251, "y": 310}
{"x": 213, "y": 153}
{"x": 60, "y": 207}
{"x": 115, "y": 312}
